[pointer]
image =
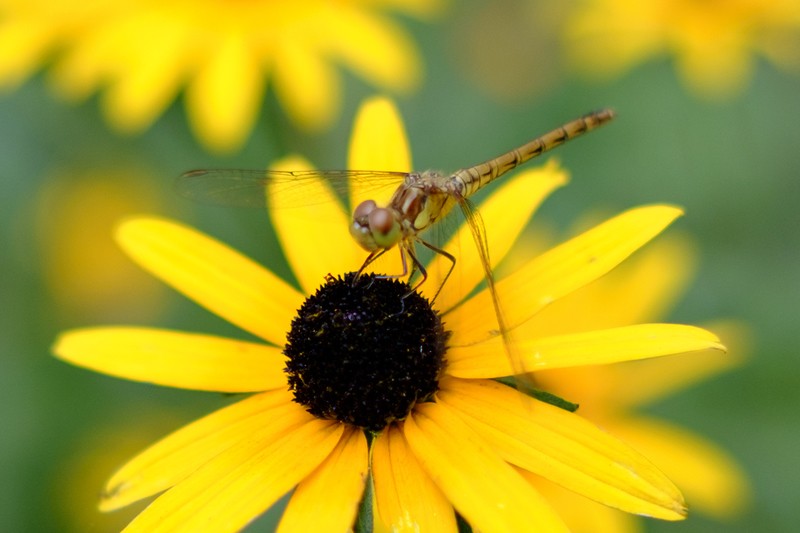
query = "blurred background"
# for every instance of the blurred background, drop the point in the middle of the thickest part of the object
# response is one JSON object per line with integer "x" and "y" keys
{"x": 102, "y": 106}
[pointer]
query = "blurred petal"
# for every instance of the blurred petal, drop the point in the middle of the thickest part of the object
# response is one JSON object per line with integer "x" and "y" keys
{"x": 169, "y": 461}
{"x": 175, "y": 359}
{"x": 314, "y": 235}
{"x": 605, "y": 346}
{"x": 641, "y": 383}
{"x": 224, "y": 98}
{"x": 213, "y": 275}
{"x": 505, "y": 214}
{"x": 376, "y": 49}
{"x": 563, "y": 447}
{"x": 378, "y": 142}
{"x": 405, "y": 497}
{"x": 482, "y": 487}
{"x": 711, "y": 480}
{"x": 561, "y": 270}
{"x": 306, "y": 85}
{"x": 583, "y": 515}
{"x": 148, "y": 73}
{"x": 235, "y": 486}
{"x": 327, "y": 500}
{"x": 642, "y": 289}
{"x": 22, "y": 47}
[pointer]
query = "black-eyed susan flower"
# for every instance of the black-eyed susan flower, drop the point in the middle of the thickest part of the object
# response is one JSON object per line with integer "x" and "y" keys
{"x": 142, "y": 54}
{"x": 714, "y": 44}
{"x": 613, "y": 396}
{"x": 362, "y": 378}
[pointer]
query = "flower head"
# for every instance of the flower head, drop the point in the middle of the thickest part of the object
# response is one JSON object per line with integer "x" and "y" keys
{"x": 714, "y": 43}
{"x": 442, "y": 437}
{"x": 142, "y": 54}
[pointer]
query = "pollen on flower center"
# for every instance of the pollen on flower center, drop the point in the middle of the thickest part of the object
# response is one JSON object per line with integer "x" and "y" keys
{"x": 364, "y": 353}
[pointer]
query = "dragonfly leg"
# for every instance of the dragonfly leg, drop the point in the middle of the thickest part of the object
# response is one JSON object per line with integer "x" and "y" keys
{"x": 416, "y": 265}
{"x": 450, "y": 257}
{"x": 368, "y": 261}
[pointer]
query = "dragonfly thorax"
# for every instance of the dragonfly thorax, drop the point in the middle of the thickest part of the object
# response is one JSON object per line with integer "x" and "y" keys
{"x": 375, "y": 228}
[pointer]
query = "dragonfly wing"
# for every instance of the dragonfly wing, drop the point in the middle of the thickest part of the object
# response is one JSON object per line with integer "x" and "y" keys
{"x": 247, "y": 188}
{"x": 478, "y": 230}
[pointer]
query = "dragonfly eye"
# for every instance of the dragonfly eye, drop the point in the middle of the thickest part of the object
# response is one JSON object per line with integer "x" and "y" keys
{"x": 362, "y": 211}
{"x": 360, "y": 229}
{"x": 383, "y": 227}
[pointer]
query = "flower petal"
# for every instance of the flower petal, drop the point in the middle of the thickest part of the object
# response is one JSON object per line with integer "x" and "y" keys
{"x": 306, "y": 85}
{"x": 238, "y": 484}
{"x": 711, "y": 480}
{"x": 378, "y": 142}
{"x": 147, "y": 73}
{"x": 375, "y": 48}
{"x": 405, "y": 497}
{"x": 22, "y": 47}
{"x": 561, "y": 270}
{"x": 605, "y": 346}
{"x": 563, "y": 447}
{"x": 645, "y": 382}
{"x": 224, "y": 97}
{"x": 483, "y": 488}
{"x": 213, "y": 275}
{"x": 642, "y": 289}
{"x": 313, "y": 234}
{"x": 175, "y": 457}
{"x": 583, "y": 515}
{"x": 505, "y": 213}
{"x": 175, "y": 359}
{"x": 327, "y": 500}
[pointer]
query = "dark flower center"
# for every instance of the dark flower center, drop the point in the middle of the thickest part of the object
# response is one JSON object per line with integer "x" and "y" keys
{"x": 364, "y": 353}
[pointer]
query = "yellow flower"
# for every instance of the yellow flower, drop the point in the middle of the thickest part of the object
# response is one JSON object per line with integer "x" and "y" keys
{"x": 466, "y": 443}
{"x": 641, "y": 290}
{"x": 142, "y": 54}
{"x": 714, "y": 43}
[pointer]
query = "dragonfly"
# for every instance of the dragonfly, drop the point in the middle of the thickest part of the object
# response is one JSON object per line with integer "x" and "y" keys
{"x": 420, "y": 200}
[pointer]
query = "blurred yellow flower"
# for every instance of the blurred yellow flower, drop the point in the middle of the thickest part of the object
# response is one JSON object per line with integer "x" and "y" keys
{"x": 641, "y": 290}
{"x": 84, "y": 271}
{"x": 141, "y": 54}
{"x": 714, "y": 42}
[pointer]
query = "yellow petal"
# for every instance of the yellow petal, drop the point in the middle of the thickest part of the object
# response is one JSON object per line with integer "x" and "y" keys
{"x": 711, "y": 480}
{"x": 173, "y": 458}
{"x": 224, "y": 98}
{"x": 216, "y": 277}
{"x": 647, "y": 381}
{"x": 378, "y": 142}
{"x": 22, "y": 46}
{"x": 240, "y": 483}
{"x": 149, "y": 74}
{"x": 306, "y": 85}
{"x": 375, "y": 49}
{"x": 505, "y": 214}
{"x": 175, "y": 359}
{"x": 564, "y": 448}
{"x": 314, "y": 234}
{"x": 406, "y": 498}
{"x": 483, "y": 488}
{"x": 328, "y": 499}
{"x": 561, "y": 270}
{"x": 583, "y": 515}
{"x": 601, "y": 347}
{"x": 642, "y": 289}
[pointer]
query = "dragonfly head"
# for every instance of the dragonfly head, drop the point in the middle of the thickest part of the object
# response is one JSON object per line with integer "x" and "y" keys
{"x": 374, "y": 227}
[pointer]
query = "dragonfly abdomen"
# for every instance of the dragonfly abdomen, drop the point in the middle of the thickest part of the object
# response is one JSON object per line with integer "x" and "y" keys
{"x": 473, "y": 178}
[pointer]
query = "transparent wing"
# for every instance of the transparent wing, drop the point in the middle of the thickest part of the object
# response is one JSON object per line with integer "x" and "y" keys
{"x": 478, "y": 230}
{"x": 247, "y": 188}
